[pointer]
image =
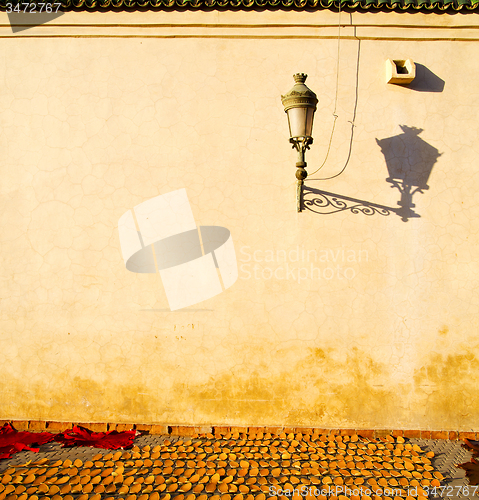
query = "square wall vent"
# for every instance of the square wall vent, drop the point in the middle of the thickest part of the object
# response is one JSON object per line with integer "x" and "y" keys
{"x": 402, "y": 71}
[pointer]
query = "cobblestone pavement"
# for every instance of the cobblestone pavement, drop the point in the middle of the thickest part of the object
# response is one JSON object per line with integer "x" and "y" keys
{"x": 242, "y": 467}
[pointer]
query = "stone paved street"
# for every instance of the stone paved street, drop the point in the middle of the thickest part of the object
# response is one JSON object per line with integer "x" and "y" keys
{"x": 241, "y": 467}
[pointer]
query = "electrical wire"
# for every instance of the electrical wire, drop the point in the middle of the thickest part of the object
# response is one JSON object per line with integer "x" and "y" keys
{"x": 335, "y": 115}
{"x": 336, "y": 97}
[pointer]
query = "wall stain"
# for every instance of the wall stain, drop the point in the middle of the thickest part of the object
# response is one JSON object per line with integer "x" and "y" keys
{"x": 320, "y": 387}
{"x": 444, "y": 330}
{"x": 449, "y": 383}
{"x": 316, "y": 390}
{"x": 82, "y": 397}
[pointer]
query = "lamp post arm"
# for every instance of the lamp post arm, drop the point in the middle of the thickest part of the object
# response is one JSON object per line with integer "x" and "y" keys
{"x": 301, "y": 144}
{"x": 301, "y": 152}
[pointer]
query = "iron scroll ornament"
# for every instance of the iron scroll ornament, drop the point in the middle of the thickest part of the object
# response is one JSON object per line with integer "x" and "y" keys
{"x": 325, "y": 203}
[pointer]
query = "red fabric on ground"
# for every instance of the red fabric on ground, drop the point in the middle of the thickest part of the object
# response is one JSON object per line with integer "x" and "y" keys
{"x": 13, "y": 441}
{"x": 112, "y": 440}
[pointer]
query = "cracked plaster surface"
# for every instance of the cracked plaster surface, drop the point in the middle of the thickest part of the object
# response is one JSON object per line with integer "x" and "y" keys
{"x": 92, "y": 127}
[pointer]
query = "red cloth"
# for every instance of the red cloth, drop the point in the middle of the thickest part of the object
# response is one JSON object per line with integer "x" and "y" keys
{"x": 80, "y": 436}
{"x": 12, "y": 441}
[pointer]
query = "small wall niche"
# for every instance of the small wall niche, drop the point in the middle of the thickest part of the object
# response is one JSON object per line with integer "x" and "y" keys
{"x": 400, "y": 71}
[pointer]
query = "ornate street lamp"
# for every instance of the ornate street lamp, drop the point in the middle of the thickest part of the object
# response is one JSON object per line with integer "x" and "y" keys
{"x": 300, "y": 104}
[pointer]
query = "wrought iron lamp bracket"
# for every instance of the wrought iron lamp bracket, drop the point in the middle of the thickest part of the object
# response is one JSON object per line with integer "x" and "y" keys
{"x": 301, "y": 144}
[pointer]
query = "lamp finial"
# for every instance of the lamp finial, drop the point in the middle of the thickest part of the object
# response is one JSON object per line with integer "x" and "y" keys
{"x": 300, "y": 77}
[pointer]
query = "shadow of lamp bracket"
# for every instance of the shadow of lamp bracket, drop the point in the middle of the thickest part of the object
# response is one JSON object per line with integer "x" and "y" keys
{"x": 299, "y": 105}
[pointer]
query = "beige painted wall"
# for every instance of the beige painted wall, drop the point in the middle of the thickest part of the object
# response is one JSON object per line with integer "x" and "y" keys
{"x": 97, "y": 119}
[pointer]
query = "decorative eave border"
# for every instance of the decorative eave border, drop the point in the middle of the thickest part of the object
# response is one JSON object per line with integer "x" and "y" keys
{"x": 380, "y": 5}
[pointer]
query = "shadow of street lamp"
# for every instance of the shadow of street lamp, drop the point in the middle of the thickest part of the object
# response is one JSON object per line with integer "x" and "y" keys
{"x": 409, "y": 161}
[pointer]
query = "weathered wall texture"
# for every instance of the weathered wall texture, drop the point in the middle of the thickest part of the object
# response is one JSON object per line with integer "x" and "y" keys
{"x": 338, "y": 320}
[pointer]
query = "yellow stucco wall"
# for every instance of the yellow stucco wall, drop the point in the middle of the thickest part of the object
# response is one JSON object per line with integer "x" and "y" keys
{"x": 97, "y": 119}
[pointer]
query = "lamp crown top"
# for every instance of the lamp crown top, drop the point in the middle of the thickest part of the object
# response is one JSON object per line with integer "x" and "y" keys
{"x": 300, "y": 77}
{"x": 300, "y": 96}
